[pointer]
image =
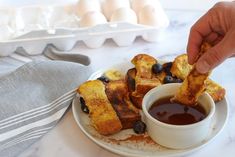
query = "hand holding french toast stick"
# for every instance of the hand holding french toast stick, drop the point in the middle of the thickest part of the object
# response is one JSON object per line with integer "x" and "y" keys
{"x": 217, "y": 27}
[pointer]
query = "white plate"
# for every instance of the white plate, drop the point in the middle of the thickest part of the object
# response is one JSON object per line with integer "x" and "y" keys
{"x": 127, "y": 143}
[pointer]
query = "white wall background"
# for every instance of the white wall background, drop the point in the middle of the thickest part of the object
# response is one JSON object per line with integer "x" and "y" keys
{"x": 168, "y": 4}
{"x": 189, "y": 4}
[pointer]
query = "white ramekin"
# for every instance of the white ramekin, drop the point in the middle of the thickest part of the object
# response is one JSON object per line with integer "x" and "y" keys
{"x": 177, "y": 136}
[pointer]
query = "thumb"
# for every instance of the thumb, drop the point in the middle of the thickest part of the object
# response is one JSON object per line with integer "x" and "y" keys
{"x": 216, "y": 55}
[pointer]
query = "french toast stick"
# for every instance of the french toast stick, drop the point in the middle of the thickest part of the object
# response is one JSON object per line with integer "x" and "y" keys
{"x": 181, "y": 68}
{"x": 143, "y": 64}
{"x": 193, "y": 85}
{"x": 215, "y": 90}
{"x": 118, "y": 95}
{"x": 142, "y": 78}
{"x": 103, "y": 116}
{"x": 135, "y": 98}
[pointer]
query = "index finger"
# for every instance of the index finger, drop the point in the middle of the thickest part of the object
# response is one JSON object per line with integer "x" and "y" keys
{"x": 198, "y": 33}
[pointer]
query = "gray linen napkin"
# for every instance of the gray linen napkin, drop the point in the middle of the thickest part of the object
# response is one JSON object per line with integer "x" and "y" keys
{"x": 33, "y": 99}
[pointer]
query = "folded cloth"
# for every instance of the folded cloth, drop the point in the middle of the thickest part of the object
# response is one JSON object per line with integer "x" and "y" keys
{"x": 33, "y": 99}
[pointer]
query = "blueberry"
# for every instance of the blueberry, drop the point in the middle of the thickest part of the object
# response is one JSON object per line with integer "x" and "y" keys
{"x": 139, "y": 127}
{"x": 85, "y": 109}
{"x": 82, "y": 101}
{"x": 177, "y": 80}
{"x": 83, "y": 105}
{"x": 103, "y": 79}
{"x": 167, "y": 67}
{"x": 168, "y": 73}
{"x": 157, "y": 68}
{"x": 168, "y": 79}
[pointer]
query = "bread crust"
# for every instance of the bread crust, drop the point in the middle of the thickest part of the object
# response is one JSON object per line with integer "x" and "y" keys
{"x": 103, "y": 116}
{"x": 118, "y": 95}
{"x": 180, "y": 67}
{"x": 194, "y": 84}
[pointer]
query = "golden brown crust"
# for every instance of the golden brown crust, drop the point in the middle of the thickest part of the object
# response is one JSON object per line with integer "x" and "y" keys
{"x": 192, "y": 87}
{"x": 180, "y": 67}
{"x": 142, "y": 77}
{"x": 113, "y": 75}
{"x": 144, "y": 85}
{"x": 160, "y": 76}
{"x": 194, "y": 84}
{"x": 103, "y": 116}
{"x": 215, "y": 90}
{"x": 143, "y": 64}
{"x": 118, "y": 96}
{"x": 136, "y": 99}
{"x": 130, "y": 79}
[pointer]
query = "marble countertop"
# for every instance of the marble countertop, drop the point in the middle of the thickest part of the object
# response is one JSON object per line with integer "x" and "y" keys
{"x": 66, "y": 139}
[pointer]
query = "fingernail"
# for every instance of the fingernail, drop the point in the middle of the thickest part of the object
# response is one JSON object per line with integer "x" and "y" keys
{"x": 202, "y": 66}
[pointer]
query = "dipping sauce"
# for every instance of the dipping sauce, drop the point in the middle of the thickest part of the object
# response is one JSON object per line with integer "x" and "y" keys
{"x": 177, "y": 114}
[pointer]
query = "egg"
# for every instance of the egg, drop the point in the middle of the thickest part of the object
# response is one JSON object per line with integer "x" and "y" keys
{"x": 92, "y": 18}
{"x": 109, "y": 6}
{"x": 84, "y": 6}
{"x": 153, "y": 16}
{"x": 124, "y": 15}
{"x": 137, "y": 5}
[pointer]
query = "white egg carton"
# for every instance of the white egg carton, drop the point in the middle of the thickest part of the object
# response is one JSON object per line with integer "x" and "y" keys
{"x": 33, "y": 28}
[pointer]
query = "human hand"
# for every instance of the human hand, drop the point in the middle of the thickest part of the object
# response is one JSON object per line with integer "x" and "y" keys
{"x": 216, "y": 27}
